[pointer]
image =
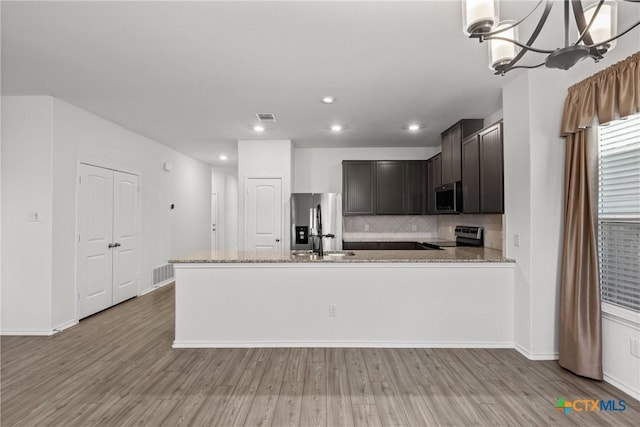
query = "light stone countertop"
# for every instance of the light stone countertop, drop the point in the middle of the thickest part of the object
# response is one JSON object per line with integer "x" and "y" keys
{"x": 457, "y": 254}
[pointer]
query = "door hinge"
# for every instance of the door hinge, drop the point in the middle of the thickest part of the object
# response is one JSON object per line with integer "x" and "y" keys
{"x": 79, "y": 180}
{"x": 78, "y": 296}
{"x": 78, "y": 237}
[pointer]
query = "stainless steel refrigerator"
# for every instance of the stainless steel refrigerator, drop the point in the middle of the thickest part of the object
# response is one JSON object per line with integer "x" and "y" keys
{"x": 304, "y": 224}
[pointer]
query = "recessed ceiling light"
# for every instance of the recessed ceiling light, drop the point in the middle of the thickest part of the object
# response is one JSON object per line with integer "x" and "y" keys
{"x": 258, "y": 128}
{"x": 414, "y": 127}
{"x": 223, "y": 157}
{"x": 328, "y": 99}
{"x": 336, "y": 128}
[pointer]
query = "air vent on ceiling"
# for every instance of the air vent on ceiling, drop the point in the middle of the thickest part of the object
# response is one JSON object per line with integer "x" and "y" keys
{"x": 266, "y": 117}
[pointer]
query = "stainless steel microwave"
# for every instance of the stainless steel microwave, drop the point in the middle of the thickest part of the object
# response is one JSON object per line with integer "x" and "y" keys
{"x": 449, "y": 198}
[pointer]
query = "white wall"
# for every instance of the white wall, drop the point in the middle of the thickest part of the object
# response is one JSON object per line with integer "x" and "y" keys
{"x": 226, "y": 185}
{"x": 534, "y": 180}
{"x": 78, "y": 136}
{"x": 319, "y": 170}
{"x": 231, "y": 213}
{"x": 27, "y": 165}
{"x": 265, "y": 159}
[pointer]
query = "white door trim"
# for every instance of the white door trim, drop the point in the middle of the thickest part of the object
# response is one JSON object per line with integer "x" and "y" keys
{"x": 109, "y": 166}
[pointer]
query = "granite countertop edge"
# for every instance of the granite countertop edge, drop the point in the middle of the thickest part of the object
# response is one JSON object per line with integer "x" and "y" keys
{"x": 338, "y": 261}
{"x": 448, "y": 255}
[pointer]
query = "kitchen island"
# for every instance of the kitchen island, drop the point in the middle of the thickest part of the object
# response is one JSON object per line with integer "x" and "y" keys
{"x": 456, "y": 297}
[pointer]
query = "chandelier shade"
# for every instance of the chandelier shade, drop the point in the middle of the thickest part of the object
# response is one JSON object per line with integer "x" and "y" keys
{"x": 596, "y": 26}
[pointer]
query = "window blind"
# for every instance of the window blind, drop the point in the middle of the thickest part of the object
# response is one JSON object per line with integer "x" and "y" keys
{"x": 619, "y": 212}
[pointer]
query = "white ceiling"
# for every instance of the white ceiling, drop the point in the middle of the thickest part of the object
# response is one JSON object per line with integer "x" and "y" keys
{"x": 192, "y": 75}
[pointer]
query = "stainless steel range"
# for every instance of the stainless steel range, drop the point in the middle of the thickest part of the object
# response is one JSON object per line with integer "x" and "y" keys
{"x": 466, "y": 235}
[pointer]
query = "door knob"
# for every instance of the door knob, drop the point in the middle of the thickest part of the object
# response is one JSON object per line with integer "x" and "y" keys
{"x": 277, "y": 240}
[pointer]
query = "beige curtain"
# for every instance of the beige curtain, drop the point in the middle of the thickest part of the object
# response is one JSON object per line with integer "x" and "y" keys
{"x": 614, "y": 92}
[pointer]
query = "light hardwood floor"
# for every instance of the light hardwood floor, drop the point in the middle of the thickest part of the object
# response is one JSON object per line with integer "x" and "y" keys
{"x": 118, "y": 368}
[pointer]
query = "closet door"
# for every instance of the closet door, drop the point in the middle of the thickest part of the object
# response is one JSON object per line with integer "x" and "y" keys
{"x": 95, "y": 230}
{"x": 126, "y": 252}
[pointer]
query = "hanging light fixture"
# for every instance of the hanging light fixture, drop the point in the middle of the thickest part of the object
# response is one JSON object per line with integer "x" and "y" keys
{"x": 596, "y": 25}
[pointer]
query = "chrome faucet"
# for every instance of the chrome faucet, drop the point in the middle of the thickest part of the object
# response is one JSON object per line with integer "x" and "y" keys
{"x": 316, "y": 223}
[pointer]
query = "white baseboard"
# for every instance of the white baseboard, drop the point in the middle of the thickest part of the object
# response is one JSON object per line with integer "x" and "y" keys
{"x": 622, "y": 386}
{"x": 339, "y": 344}
{"x": 535, "y": 356}
{"x": 30, "y": 332}
{"x": 64, "y": 326}
{"x": 158, "y": 286}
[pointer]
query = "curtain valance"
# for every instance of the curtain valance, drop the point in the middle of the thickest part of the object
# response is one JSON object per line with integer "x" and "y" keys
{"x": 612, "y": 92}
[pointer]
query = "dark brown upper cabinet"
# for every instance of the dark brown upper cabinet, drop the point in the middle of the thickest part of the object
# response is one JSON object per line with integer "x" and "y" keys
{"x": 491, "y": 170}
{"x": 482, "y": 171}
{"x": 416, "y": 187}
{"x": 384, "y": 187}
{"x": 390, "y": 187}
{"x": 434, "y": 180}
{"x": 452, "y": 148}
{"x": 358, "y": 179}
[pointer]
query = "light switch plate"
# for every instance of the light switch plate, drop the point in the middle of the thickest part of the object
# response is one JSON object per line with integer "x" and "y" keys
{"x": 635, "y": 347}
{"x": 366, "y": 227}
{"x": 516, "y": 240}
{"x": 34, "y": 217}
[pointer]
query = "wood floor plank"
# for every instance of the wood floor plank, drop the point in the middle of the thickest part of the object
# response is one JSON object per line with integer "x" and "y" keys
{"x": 118, "y": 368}
{"x": 314, "y": 396}
{"x": 375, "y": 365}
{"x": 366, "y": 416}
{"x": 359, "y": 382}
{"x": 296, "y": 365}
{"x": 415, "y": 407}
{"x": 264, "y": 403}
{"x": 390, "y": 409}
{"x": 287, "y": 413}
{"x": 237, "y": 408}
{"x": 339, "y": 410}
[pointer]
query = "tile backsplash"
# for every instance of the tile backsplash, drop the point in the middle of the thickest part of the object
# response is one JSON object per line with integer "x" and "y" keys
{"x": 391, "y": 224}
{"x": 440, "y": 226}
{"x": 492, "y": 224}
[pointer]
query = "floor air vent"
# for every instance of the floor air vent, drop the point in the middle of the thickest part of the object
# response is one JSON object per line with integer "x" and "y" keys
{"x": 162, "y": 274}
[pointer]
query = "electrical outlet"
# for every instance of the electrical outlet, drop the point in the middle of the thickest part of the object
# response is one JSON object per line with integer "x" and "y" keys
{"x": 34, "y": 217}
{"x": 635, "y": 347}
{"x": 414, "y": 227}
{"x": 366, "y": 227}
{"x": 333, "y": 310}
{"x": 516, "y": 240}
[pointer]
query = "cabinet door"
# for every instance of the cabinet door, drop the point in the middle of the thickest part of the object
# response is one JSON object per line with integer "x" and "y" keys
{"x": 415, "y": 188}
{"x": 491, "y": 170}
{"x": 358, "y": 187}
{"x": 471, "y": 175}
{"x": 434, "y": 180}
{"x": 456, "y": 154}
{"x": 447, "y": 176}
{"x": 390, "y": 187}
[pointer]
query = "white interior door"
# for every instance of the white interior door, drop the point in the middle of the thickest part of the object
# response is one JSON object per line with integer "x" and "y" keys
{"x": 214, "y": 223}
{"x": 263, "y": 216}
{"x": 126, "y": 239}
{"x": 95, "y": 229}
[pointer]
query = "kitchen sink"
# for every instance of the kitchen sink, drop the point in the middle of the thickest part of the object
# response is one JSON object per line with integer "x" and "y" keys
{"x": 327, "y": 254}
